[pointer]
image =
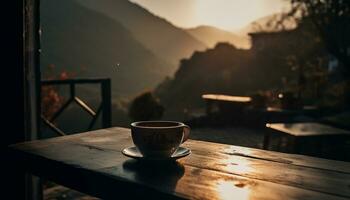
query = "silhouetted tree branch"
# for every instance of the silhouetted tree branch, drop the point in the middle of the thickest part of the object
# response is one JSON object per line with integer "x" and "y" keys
{"x": 331, "y": 18}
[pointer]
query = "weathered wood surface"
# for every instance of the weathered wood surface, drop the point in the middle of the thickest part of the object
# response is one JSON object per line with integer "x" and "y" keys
{"x": 307, "y": 129}
{"x": 92, "y": 162}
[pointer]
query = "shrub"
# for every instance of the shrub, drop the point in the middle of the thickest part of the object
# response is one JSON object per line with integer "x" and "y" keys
{"x": 145, "y": 107}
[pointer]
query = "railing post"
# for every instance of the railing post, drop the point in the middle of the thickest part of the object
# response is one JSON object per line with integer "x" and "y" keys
{"x": 72, "y": 90}
{"x": 106, "y": 103}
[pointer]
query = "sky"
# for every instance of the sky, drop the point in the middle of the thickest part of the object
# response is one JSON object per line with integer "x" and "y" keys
{"x": 225, "y": 14}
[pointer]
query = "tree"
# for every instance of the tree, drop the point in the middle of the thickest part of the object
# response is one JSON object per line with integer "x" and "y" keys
{"x": 145, "y": 107}
{"x": 331, "y": 19}
{"x": 51, "y": 100}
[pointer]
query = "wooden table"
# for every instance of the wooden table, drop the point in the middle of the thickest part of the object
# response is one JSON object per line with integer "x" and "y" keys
{"x": 226, "y": 107}
{"x": 228, "y": 98}
{"x": 311, "y": 139}
{"x": 92, "y": 162}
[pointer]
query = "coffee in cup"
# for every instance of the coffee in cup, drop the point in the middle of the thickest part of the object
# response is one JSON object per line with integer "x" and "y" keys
{"x": 158, "y": 138}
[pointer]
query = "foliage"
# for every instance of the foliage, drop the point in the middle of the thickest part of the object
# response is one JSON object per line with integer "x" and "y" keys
{"x": 309, "y": 59}
{"x": 51, "y": 101}
{"x": 331, "y": 19}
{"x": 330, "y": 23}
{"x": 145, "y": 107}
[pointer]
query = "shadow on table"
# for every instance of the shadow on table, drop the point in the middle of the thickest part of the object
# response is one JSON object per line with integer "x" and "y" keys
{"x": 159, "y": 174}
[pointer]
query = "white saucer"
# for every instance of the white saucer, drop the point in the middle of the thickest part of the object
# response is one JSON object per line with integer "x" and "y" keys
{"x": 133, "y": 152}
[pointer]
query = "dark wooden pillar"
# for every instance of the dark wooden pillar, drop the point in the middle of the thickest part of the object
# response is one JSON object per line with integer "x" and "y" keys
{"x": 20, "y": 95}
{"x": 32, "y": 86}
{"x": 32, "y": 68}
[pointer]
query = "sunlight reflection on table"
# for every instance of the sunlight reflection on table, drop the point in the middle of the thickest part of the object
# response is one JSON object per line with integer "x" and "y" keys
{"x": 237, "y": 163}
{"x": 232, "y": 190}
{"x": 234, "y": 164}
{"x": 233, "y": 150}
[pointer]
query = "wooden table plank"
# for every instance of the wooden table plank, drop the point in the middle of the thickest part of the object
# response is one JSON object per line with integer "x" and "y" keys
{"x": 109, "y": 138}
{"x": 199, "y": 183}
{"x": 206, "y": 170}
{"x": 278, "y": 157}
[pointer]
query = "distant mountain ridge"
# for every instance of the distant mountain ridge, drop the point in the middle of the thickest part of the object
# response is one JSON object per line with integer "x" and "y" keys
{"x": 77, "y": 39}
{"x": 158, "y": 35}
{"x": 211, "y": 36}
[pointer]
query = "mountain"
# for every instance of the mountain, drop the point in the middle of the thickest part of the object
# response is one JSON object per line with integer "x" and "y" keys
{"x": 273, "y": 63}
{"x": 158, "y": 35}
{"x": 211, "y": 36}
{"x": 90, "y": 44}
{"x": 223, "y": 69}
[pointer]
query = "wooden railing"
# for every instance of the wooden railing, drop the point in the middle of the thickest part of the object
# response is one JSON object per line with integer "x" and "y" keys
{"x": 104, "y": 107}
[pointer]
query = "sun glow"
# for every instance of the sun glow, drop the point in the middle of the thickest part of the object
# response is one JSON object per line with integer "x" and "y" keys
{"x": 225, "y": 14}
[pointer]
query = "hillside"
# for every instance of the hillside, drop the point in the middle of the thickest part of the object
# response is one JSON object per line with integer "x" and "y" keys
{"x": 271, "y": 64}
{"x": 223, "y": 69}
{"x": 158, "y": 35}
{"x": 80, "y": 40}
{"x": 211, "y": 36}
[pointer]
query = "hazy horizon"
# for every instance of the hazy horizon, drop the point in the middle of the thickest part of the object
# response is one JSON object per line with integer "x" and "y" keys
{"x": 193, "y": 13}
